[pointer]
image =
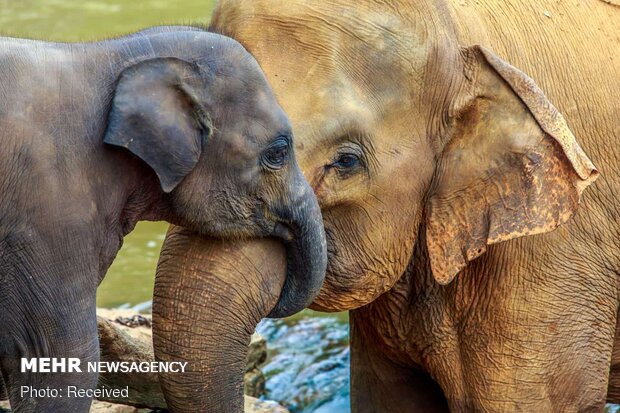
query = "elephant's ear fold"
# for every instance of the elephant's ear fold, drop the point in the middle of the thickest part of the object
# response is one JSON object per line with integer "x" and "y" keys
{"x": 157, "y": 115}
{"x": 511, "y": 167}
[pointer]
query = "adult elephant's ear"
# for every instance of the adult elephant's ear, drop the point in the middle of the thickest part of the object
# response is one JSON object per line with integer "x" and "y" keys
{"x": 511, "y": 167}
{"x": 157, "y": 115}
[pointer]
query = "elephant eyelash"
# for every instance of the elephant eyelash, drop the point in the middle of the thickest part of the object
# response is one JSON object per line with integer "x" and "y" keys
{"x": 348, "y": 161}
{"x": 353, "y": 141}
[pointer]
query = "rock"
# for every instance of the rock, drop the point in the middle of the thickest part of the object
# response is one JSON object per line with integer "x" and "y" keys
{"x": 105, "y": 407}
{"x": 257, "y": 352}
{"x": 253, "y": 378}
{"x": 254, "y": 383}
{"x": 121, "y": 343}
{"x": 137, "y": 331}
{"x": 253, "y": 405}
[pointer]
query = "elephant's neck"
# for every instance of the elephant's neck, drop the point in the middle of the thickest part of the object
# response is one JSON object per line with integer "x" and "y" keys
{"x": 128, "y": 192}
{"x": 144, "y": 202}
{"x": 137, "y": 193}
{"x": 413, "y": 325}
{"x": 394, "y": 322}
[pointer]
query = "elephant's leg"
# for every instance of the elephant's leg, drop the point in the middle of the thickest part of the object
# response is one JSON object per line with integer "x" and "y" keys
{"x": 3, "y": 393}
{"x": 379, "y": 385}
{"x": 41, "y": 321}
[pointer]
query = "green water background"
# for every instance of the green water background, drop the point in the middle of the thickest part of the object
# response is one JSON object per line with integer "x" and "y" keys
{"x": 130, "y": 279}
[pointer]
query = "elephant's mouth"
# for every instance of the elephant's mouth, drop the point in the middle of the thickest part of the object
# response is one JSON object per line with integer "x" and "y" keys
{"x": 276, "y": 225}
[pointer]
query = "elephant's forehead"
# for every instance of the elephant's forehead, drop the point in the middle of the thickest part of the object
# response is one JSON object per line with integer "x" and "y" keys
{"x": 336, "y": 69}
{"x": 319, "y": 42}
{"x": 323, "y": 126}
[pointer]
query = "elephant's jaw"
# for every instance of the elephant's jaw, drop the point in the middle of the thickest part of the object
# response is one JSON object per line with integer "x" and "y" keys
{"x": 336, "y": 297}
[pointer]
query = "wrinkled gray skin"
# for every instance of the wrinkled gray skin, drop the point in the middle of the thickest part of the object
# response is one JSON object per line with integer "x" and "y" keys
{"x": 169, "y": 124}
{"x": 237, "y": 283}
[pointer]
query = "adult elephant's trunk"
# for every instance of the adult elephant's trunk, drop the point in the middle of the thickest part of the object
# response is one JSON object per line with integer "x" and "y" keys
{"x": 209, "y": 296}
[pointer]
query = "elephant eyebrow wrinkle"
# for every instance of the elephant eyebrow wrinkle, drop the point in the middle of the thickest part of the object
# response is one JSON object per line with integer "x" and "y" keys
{"x": 349, "y": 131}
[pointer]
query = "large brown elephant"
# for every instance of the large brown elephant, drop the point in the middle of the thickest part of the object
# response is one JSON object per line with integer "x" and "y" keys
{"x": 427, "y": 149}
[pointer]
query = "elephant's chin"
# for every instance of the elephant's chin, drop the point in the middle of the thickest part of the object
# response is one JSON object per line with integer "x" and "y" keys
{"x": 347, "y": 292}
{"x": 333, "y": 303}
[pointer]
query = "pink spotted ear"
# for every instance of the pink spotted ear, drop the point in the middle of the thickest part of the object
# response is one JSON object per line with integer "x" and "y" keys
{"x": 512, "y": 168}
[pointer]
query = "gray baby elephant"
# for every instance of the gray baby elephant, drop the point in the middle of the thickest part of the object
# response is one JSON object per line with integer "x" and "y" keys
{"x": 173, "y": 124}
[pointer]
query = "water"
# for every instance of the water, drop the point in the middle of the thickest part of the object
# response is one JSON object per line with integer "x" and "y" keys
{"x": 307, "y": 369}
{"x": 130, "y": 279}
{"x": 82, "y": 20}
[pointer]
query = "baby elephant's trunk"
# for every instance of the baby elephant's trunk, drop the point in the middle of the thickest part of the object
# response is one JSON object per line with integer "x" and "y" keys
{"x": 306, "y": 252}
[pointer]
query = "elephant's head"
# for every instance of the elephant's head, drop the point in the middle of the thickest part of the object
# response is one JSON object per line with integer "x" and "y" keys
{"x": 210, "y": 128}
{"x": 409, "y": 138}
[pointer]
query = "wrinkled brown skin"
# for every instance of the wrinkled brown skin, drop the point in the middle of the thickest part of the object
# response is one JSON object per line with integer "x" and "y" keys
{"x": 230, "y": 283}
{"x": 452, "y": 167}
{"x": 171, "y": 124}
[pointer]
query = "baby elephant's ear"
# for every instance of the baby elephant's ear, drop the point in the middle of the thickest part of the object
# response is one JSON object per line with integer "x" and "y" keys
{"x": 157, "y": 115}
{"x": 511, "y": 168}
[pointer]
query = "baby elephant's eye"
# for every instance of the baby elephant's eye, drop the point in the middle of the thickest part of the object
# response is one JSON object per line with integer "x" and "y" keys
{"x": 276, "y": 155}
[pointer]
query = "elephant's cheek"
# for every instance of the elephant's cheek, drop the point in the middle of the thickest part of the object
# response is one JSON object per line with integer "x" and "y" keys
{"x": 353, "y": 279}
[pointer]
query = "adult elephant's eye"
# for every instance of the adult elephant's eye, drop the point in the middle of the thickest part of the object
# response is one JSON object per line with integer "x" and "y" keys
{"x": 347, "y": 161}
{"x": 276, "y": 155}
{"x": 347, "y": 164}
